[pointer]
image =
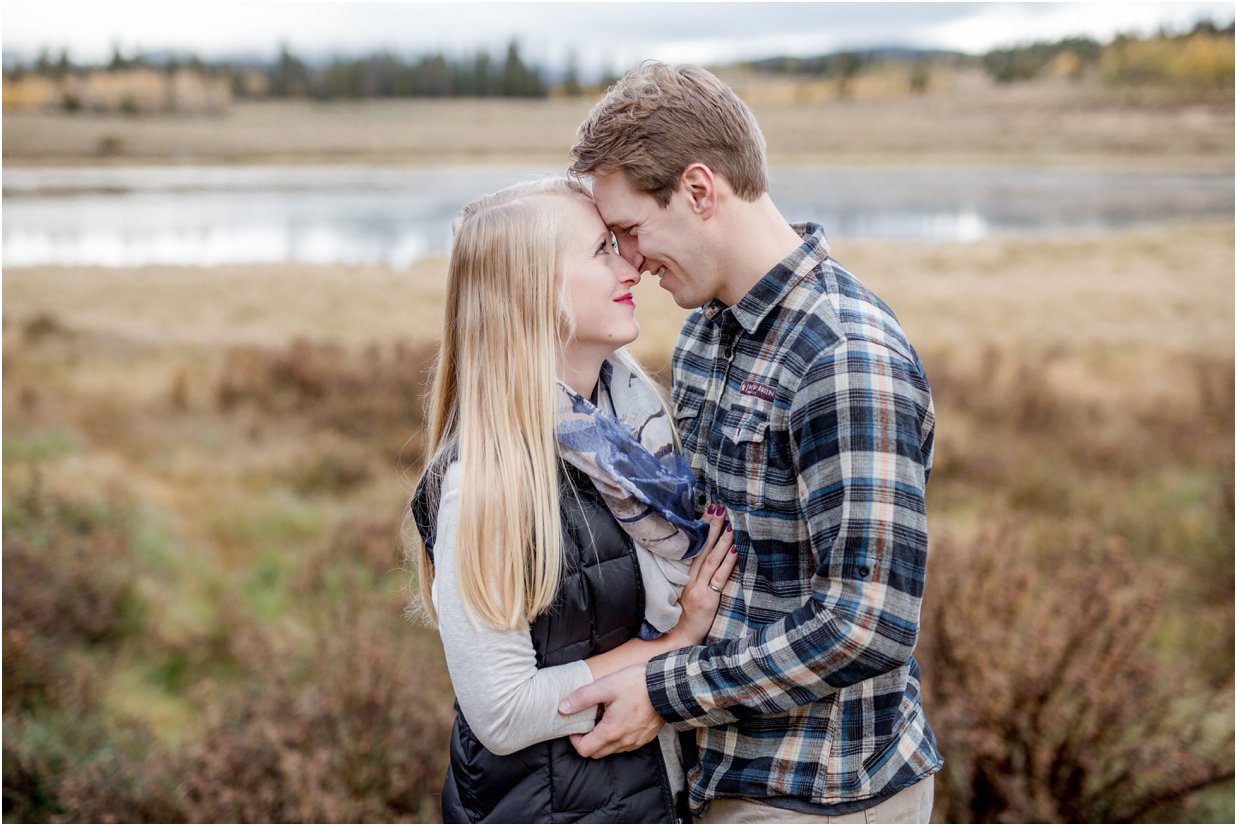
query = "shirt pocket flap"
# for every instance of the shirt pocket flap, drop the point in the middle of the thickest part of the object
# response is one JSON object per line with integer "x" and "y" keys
{"x": 746, "y": 426}
{"x": 688, "y": 406}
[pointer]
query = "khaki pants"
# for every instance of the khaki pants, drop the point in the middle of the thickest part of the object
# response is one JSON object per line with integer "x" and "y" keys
{"x": 911, "y": 805}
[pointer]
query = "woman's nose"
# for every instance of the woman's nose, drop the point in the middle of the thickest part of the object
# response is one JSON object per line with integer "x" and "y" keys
{"x": 629, "y": 276}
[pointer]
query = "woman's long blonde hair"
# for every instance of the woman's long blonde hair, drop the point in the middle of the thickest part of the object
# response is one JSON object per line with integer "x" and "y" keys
{"x": 492, "y": 402}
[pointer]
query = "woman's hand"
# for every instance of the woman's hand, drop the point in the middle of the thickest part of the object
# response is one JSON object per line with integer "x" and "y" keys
{"x": 707, "y": 576}
{"x": 709, "y": 571}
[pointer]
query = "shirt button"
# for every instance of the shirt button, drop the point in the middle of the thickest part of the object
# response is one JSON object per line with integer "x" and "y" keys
{"x": 728, "y": 352}
{"x": 863, "y": 571}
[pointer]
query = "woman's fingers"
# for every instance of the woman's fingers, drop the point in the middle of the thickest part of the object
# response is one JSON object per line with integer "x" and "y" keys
{"x": 709, "y": 572}
{"x": 717, "y": 581}
{"x": 715, "y": 557}
{"x": 715, "y": 515}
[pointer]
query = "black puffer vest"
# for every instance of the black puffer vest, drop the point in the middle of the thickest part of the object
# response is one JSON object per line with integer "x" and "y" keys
{"x": 599, "y": 606}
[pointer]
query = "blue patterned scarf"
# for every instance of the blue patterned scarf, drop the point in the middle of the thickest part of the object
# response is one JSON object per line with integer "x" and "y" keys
{"x": 625, "y": 445}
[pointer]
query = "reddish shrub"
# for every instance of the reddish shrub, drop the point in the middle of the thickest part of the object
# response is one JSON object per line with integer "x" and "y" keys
{"x": 356, "y": 731}
{"x": 1048, "y": 704}
{"x": 377, "y": 393}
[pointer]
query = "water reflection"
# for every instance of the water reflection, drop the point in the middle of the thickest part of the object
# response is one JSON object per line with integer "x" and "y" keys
{"x": 206, "y": 216}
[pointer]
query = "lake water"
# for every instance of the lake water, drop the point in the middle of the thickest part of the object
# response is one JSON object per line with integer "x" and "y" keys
{"x": 210, "y": 215}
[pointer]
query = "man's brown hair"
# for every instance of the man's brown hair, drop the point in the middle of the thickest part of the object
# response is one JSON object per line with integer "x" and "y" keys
{"x": 658, "y": 120}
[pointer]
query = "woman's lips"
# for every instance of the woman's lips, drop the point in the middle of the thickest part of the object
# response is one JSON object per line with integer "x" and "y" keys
{"x": 625, "y": 299}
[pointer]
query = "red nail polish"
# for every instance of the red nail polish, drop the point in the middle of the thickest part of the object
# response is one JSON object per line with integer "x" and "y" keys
{"x": 729, "y": 529}
{"x": 734, "y": 549}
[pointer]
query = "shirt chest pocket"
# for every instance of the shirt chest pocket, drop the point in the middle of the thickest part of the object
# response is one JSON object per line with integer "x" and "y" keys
{"x": 756, "y": 461}
{"x": 744, "y": 456}
{"x": 687, "y": 419}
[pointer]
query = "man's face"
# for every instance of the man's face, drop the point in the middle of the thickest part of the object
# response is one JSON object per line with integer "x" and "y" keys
{"x": 657, "y": 240}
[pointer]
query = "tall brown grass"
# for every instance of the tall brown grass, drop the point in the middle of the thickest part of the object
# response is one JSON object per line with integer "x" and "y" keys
{"x": 349, "y": 728}
{"x": 1052, "y": 685}
{"x": 203, "y": 588}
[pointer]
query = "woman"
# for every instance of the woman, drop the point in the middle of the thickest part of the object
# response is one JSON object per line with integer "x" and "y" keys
{"x": 536, "y": 586}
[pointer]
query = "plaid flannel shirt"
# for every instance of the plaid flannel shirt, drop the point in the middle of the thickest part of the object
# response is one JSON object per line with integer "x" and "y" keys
{"x": 805, "y": 411}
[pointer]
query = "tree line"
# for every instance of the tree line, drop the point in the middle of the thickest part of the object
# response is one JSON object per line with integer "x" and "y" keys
{"x": 1200, "y": 57}
{"x": 381, "y": 75}
{"x": 387, "y": 76}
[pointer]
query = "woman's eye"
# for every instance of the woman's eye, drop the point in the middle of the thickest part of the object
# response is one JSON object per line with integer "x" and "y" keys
{"x": 604, "y": 248}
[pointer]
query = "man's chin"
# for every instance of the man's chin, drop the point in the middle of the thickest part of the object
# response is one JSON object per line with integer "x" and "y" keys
{"x": 677, "y": 297}
{"x": 688, "y": 301}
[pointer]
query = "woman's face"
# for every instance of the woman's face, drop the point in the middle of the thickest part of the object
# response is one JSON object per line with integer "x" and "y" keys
{"x": 597, "y": 282}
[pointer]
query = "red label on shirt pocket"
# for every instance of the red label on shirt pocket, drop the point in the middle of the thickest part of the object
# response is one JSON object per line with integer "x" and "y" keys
{"x": 755, "y": 388}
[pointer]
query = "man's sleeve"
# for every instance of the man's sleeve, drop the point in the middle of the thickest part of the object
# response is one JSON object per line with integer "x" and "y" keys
{"x": 861, "y": 428}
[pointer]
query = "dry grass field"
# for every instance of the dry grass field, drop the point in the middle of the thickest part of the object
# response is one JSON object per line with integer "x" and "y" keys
{"x": 206, "y": 471}
{"x": 963, "y": 119}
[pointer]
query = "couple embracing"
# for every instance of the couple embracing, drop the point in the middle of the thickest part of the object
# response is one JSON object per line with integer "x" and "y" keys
{"x": 697, "y": 608}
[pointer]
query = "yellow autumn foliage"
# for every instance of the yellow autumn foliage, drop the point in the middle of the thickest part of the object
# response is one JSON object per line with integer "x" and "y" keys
{"x": 1201, "y": 61}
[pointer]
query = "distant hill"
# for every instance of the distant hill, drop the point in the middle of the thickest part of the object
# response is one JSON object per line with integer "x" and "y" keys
{"x": 826, "y": 63}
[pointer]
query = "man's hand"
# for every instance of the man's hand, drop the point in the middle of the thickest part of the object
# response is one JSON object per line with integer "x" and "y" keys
{"x": 629, "y": 720}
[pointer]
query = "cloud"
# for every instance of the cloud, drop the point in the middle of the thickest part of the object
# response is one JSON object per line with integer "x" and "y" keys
{"x": 602, "y": 36}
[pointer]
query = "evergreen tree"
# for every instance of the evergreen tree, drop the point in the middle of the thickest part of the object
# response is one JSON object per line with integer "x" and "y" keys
{"x": 517, "y": 79}
{"x": 290, "y": 77}
{"x": 484, "y": 73}
{"x": 571, "y": 78}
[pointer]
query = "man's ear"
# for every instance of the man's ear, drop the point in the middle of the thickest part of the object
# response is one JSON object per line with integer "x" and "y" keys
{"x": 700, "y": 186}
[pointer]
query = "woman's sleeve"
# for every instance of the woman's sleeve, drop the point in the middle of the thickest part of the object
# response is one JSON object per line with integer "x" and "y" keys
{"x": 508, "y": 702}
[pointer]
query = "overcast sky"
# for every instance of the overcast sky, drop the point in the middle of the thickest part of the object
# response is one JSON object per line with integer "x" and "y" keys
{"x": 603, "y": 36}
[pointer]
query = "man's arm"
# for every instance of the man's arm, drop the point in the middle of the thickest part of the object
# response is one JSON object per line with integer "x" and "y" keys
{"x": 861, "y": 426}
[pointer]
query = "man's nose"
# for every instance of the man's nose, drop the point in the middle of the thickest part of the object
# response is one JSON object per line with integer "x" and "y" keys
{"x": 630, "y": 250}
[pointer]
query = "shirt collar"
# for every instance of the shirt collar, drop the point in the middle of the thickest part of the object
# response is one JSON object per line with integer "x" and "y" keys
{"x": 772, "y": 288}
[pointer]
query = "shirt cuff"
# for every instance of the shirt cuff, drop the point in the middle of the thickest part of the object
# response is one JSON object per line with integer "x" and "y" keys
{"x": 668, "y": 678}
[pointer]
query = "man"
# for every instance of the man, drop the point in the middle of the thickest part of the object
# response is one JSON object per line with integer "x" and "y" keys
{"x": 803, "y": 409}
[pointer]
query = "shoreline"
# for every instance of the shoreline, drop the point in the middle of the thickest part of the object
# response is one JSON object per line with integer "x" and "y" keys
{"x": 1046, "y": 125}
{"x": 1097, "y": 162}
{"x": 1098, "y": 293}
